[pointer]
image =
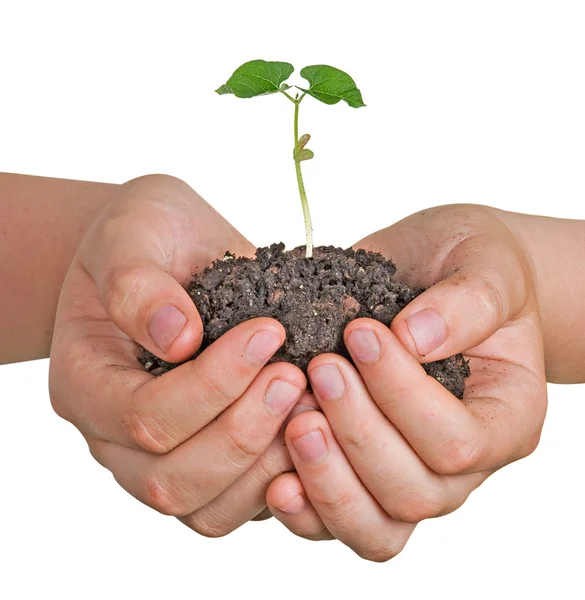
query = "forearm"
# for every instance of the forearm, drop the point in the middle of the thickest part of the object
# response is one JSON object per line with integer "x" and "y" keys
{"x": 555, "y": 249}
{"x": 42, "y": 221}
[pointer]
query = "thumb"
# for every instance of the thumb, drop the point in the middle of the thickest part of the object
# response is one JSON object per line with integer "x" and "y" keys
{"x": 136, "y": 286}
{"x": 485, "y": 286}
{"x": 152, "y": 308}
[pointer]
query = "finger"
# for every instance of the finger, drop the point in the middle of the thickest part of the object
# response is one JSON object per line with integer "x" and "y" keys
{"x": 140, "y": 252}
{"x": 288, "y": 502}
{"x": 141, "y": 298}
{"x": 476, "y": 281}
{"x": 451, "y": 437}
{"x": 406, "y": 488}
{"x": 198, "y": 391}
{"x": 184, "y": 480}
{"x": 466, "y": 308}
{"x": 306, "y": 402}
{"x": 334, "y": 490}
{"x": 245, "y": 499}
{"x": 163, "y": 412}
{"x": 263, "y": 515}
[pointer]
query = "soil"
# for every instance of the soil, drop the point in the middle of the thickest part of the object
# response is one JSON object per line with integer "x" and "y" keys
{"x": 314, "y": 299}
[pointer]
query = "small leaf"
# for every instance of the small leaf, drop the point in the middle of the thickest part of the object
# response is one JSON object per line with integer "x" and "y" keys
{"x": 304, "y": 140}
{"x": 304, "y": 154}
{"x": 330, "y": 85}
{"x": 223, "y": 89}
{"x": 257, "y": 77}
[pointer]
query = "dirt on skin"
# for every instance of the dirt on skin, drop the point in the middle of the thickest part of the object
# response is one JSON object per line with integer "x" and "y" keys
{"x": 314, "y": 299}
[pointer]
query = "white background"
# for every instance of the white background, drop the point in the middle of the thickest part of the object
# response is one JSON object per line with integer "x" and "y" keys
{"x": 466, "y": 102}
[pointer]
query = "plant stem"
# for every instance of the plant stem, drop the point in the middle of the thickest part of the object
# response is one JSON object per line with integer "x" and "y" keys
{"x": 289, "y": 97}
{"x": 306, "y": 213}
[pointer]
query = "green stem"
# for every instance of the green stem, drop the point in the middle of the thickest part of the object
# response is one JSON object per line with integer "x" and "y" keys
{"x": 306, "y": 213}
{"x": 289, "y": 97}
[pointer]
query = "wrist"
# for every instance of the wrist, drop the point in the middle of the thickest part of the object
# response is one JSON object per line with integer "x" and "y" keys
{"x": 555, "y": 256}
{"x": 523, "y": 228}
{"x": 45, "y": 220}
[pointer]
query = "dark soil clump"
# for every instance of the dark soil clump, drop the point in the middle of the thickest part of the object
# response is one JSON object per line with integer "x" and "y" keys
{"x": 314, "y": 299}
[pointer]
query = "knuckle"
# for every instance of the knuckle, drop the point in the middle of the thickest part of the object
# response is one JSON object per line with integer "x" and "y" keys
{"x": 162, "y": 497}
{"x": 417, "y": 508}
{"x": 491, "y": 295}
{"x": 242, "y": 448}
{"x": 457, "y": 457}
{"x": 322, "y": 534}
{"x": 264, "y": 471}
{"x": 209, "y": 529}
{"x": 213, "y": 392}
{"x": 380, "y": 552}
{"x": 357, "y": 437}
{"x": 337, "y": 508}
{"x": 155, "y": 190}
{"x": 121, "y": 287}
{"x": 113, "y": 222}
{"x": 159, "y": 181}
{"x": 208, "y": 526}
{"x": 270, "y": 465}
{"x": 143, "y": 433}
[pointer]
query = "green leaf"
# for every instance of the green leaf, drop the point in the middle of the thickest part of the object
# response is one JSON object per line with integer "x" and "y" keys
{"x": 257, "y": 77}
{"x": 304, "y": 154}
{"x": 330, "y": 85}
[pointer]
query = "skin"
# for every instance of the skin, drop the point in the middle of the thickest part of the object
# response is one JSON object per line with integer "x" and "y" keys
{"x": 555, "y": 253}
{"x": 392, "y": 447}
{"x": 203, "y": 442}
{"x": 43, "y": 222}
{"x": 185, "y": 443}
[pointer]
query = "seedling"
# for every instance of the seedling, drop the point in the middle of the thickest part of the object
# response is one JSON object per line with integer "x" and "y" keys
{"x": 326, "y": 84}
{"x": 315, "y": 299}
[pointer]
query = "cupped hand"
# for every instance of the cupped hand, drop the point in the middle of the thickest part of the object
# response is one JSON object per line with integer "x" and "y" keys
{"x": 203, "y": 441}
{"x": 392, "y": 446}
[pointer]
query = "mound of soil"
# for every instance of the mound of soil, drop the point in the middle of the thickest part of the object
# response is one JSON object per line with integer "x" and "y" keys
{"x": 314, "y": 299}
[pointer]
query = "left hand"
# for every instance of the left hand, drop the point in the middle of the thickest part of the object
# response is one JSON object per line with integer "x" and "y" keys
{"x": 203, "y": 441}
{"x": 393, "y": 446}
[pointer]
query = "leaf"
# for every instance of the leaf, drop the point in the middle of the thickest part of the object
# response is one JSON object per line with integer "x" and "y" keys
{"x": 256, "y": 78}
{"x": 304, "y": 154}
{"x": 304, "y": 140}
{"x": 330, "y": 85}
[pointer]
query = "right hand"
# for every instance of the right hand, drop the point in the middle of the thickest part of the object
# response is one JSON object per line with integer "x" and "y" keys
{"x": 203, "y": 441}
{"x": 392, "y": 446}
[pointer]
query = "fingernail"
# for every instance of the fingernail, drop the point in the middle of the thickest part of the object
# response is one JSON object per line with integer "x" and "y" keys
{"x": 428, "y": 330}
{"x": 262, "y": 346}
{"x": 311, "y": 447}
{"x": 280, "y": 396}
{"x": 165, "y": 325}
{"x": 328, "y": 381}
{"x": 364, "y": 345}
{"x": 293, "y": 506}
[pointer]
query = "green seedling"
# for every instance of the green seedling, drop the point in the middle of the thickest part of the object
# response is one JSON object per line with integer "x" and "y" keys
{"x": 326, "y": 84}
